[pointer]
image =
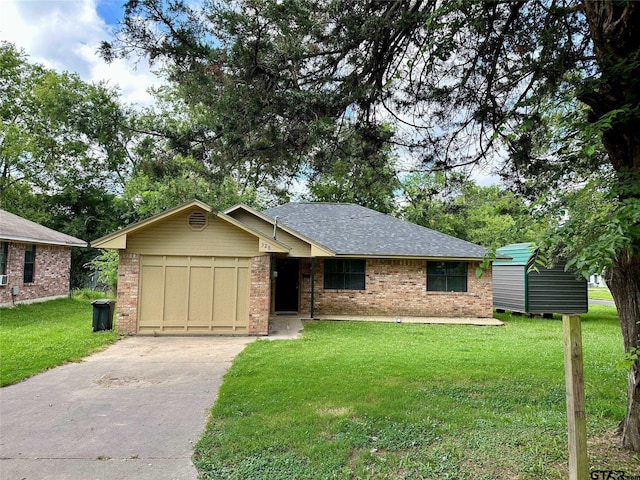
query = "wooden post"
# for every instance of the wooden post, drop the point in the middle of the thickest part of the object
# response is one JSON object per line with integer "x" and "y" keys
{"x": 574, "y": 379}
{"x": 313, "y": 284}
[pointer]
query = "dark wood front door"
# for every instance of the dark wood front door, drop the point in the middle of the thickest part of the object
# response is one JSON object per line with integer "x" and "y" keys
{"x": 287, "y": 284}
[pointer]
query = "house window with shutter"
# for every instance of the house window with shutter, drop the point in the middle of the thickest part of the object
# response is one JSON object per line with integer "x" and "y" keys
{"x": 29, "y": 263}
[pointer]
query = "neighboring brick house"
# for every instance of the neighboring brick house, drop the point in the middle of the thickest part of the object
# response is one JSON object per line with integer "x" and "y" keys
{"x": 35, "y": 261}
{"x": 193, "y": 270}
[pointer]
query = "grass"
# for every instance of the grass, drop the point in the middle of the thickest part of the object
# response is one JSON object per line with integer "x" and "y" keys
{"x": 372, "y": 400}
{"x": 600, "y": 293}
{"x": 89, "y": 294}
{"x": 36, "y": 337}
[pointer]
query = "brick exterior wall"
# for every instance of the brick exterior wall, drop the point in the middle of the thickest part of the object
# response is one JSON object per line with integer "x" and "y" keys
{"x": 260, "y": 295}
{"x": 127, "y": 304}
{"x": 398, "y": 288}
{"x": 50, "y": 277}
{"x": 393, "y": 288}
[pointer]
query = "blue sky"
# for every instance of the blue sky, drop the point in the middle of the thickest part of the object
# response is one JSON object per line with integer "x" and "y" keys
{"x": 110, "y": 10}
{"x": 65, "y": 35}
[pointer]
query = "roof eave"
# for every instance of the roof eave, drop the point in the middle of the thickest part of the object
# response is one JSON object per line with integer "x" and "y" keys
{"x": 268, "y": 244}
{"x": 321, "y": 250}
{"x": 410, "y": 257}
{"x": 40, "y": 241}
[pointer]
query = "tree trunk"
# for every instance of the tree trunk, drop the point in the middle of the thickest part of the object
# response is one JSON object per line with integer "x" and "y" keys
{"x": 624, "y": 282}
{"x": 615, "y": 31}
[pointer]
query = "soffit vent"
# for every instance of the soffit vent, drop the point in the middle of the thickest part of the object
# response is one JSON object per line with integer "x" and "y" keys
{"x": 197, "y": 220}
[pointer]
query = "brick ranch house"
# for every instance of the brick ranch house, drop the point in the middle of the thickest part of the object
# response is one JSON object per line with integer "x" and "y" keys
{"x": 35, "y": 261}
{"x": 196, "y": 271}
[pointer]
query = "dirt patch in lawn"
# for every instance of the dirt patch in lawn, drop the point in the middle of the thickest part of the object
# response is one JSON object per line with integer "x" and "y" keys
{"x": 605, "y": 453}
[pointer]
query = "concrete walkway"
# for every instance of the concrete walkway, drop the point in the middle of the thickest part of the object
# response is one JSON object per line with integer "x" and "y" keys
{"x": 427, "y": 320}
{"x": 133, "y": 411}
{"x": 284, "y": 327}
{"x": 282, "y": 323}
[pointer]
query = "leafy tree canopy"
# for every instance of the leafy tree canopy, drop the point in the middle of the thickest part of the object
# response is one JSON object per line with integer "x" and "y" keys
{"x": 356, "y": 168}
{"x": 452, "y": 204}
{"x": 56, "y": 130}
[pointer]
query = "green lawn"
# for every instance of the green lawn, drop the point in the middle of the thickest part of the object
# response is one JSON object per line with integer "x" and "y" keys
{"x": 600, "y": 293}
{"x": 39, "y": 336}
{"x": 373, "y": 400}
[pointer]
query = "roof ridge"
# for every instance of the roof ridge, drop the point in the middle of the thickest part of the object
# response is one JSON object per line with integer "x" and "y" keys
{"x": 349, "y": 228}
{"x": 309, "y": 202}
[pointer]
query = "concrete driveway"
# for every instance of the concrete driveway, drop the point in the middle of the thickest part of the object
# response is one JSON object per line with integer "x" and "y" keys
{"x": 134, "y": 410}
{"x": 595, "y": 301}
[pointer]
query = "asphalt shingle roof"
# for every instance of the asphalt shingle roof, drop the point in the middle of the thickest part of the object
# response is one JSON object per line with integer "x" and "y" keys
{"x": 13, "y": 227}
{"x": 349, "y": 229}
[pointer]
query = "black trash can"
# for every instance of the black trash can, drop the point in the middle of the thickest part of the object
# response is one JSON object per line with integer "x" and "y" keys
{"x": 103, "y": 314}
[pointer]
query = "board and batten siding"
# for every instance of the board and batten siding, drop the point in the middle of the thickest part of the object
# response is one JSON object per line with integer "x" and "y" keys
{"x": 184, "y": 294}
{"x": 509, "y": 288}
{"x": 299, "y": 248}
{"x": 175, "y": 237}
{"x": 556, "y": 291}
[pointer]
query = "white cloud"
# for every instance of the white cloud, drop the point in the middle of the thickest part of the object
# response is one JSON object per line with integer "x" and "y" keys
{"x": 485, "y": 177}
{"x": 65, "y": 35}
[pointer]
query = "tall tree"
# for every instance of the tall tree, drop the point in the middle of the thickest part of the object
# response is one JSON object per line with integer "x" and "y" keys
{"x": 56, "y": 129}
{"x": 63, "y": 151}
{"x": 453, "y": 204}
{"x": 242, "y": 121}
{"x": 178, "y": 157}
{"x": 463, "y": 82}
{"x": 358, "y": 168}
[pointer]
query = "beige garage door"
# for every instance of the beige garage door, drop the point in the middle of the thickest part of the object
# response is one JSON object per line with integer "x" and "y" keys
{"x": 195, "y": 295}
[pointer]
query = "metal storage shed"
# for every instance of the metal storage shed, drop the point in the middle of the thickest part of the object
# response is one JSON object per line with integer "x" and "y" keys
{"x": 547, "y": 290}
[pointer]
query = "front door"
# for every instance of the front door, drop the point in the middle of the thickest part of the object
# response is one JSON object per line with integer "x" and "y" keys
{"x": 287, "y": 284}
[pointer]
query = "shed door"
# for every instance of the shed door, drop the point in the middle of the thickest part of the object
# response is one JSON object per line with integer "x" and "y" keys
{"x": 194, "y": 295}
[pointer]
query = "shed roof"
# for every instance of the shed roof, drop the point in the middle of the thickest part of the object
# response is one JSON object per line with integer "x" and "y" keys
{"x": 18, "y": 229}
{"x": 520, "y": 253}
{"x": 349, "y": 229}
